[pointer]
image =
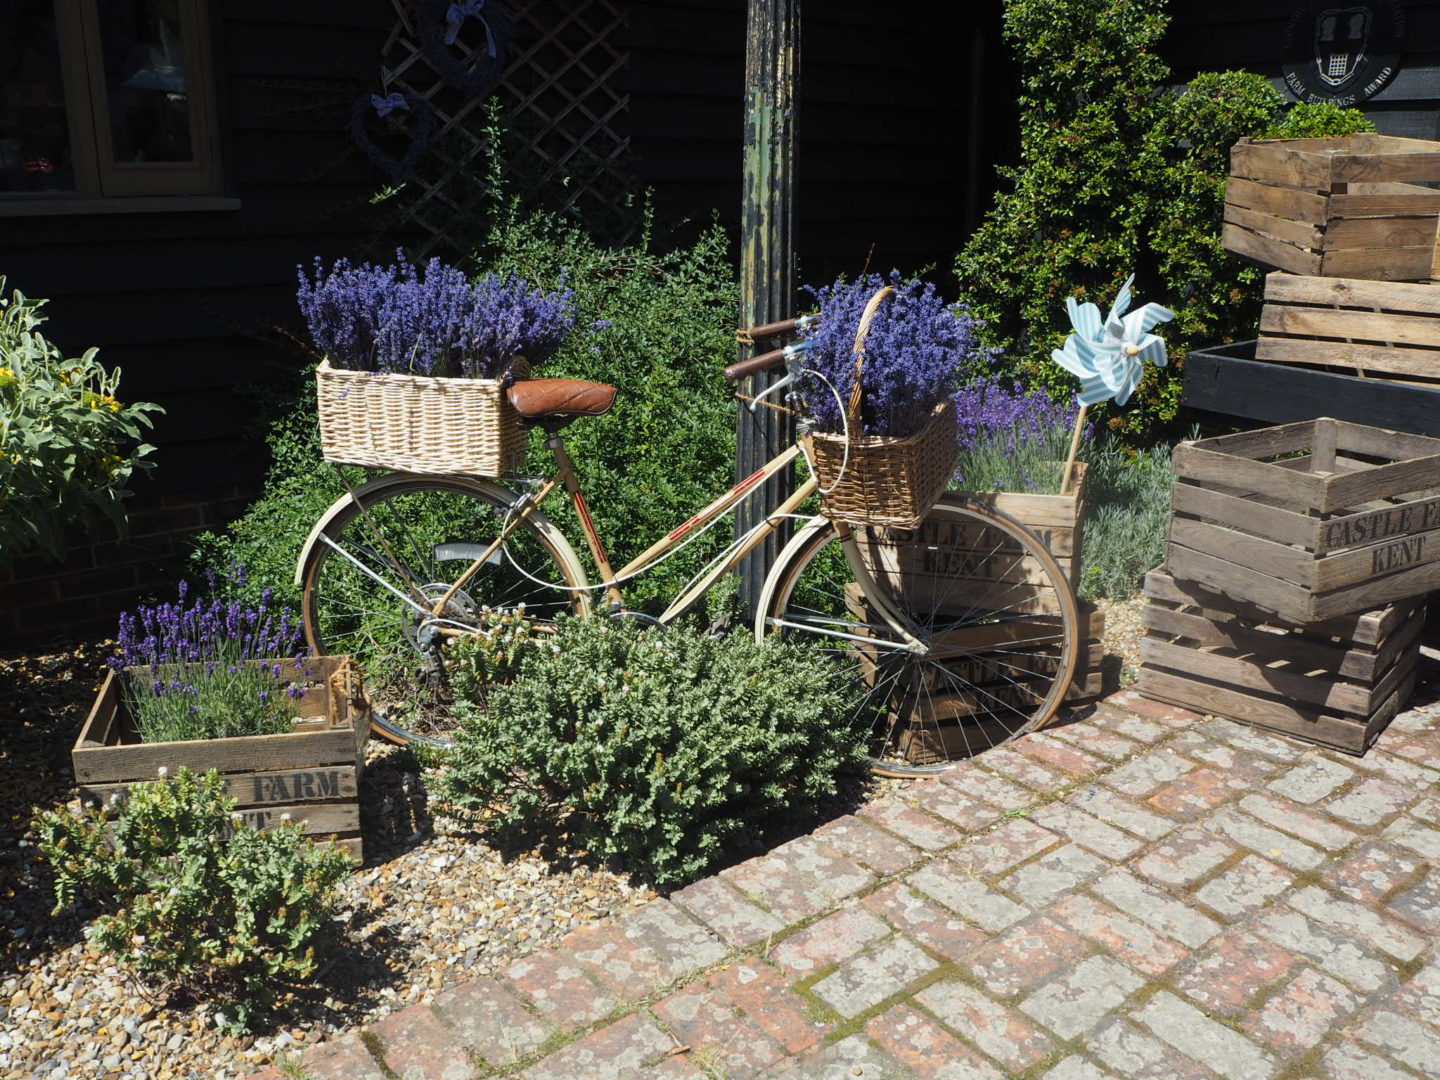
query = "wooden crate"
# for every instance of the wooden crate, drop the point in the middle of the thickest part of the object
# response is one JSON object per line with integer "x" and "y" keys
{"x": 1368, "y": 328}
{"x": 1343, "y": 207}
{"x": 1309, "y": 520}
{"x": 938, "y": 726}
{"x": 312, "y": 774}
{"x": 1336, "y": 683}
{"x": 1058, "y": 520}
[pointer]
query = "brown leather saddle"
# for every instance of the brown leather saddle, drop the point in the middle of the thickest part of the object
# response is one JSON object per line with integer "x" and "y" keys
{"x": 553, "y": 403}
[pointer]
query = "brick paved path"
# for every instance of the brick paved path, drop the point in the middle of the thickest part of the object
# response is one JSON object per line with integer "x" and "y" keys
{"x": 1141, "y": 894}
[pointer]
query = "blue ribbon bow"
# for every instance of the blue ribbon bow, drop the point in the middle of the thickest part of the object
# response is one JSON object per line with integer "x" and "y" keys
{"x": 457, "y": 15}
{"x": 384, "y": 106}
{"x": 1109, "y": 357}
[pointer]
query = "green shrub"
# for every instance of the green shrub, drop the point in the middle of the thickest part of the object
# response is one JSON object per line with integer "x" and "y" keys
{"x": 193, "y": 896}
{"x": 1117, "y": 175}
{"x": 67, "y": 444}
{"x": 657, "y": 751}
{"x": 666, "y": 448}
{"x": 1127, "y": 519}
{"x": 1318, "y": 120}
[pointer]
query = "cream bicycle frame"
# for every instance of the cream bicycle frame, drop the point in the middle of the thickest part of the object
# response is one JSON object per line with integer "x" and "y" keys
{"x": 565, "y": 477}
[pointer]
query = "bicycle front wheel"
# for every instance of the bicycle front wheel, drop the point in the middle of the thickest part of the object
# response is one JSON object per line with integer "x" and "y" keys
{"x": 956, "y": 637}
{"x": 373, "y": 574}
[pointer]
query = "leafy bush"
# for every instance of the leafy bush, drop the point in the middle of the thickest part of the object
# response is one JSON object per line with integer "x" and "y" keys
{"x": 67, "y": 444}
{"x": 1117, "y": 175}
{"x": 658, "y": 751}
{"x": 917, "y": 350}
{"x": 1318, "y": 120}
{"x": 667, "y": 445}
{"x": 201, "y": 901}
{"x": 208, "y": 671}
{"x": 1127, "y": 519}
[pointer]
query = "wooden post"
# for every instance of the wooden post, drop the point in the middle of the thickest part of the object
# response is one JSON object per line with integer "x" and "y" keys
{"x": 767, "y": 253}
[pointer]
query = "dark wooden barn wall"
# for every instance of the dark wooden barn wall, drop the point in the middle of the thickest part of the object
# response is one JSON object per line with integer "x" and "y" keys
{"x": 899, "y": 128}
{"x": 1218, "y": 34}
{"x": 172, "y": 298}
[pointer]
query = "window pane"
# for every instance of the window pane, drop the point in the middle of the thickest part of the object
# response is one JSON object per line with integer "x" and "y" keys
{"x": 143, "y": 45}
{"x": 34, "y": 129}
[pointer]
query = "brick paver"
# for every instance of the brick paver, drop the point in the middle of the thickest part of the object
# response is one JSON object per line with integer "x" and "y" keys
{"x": 1140, "y": 894}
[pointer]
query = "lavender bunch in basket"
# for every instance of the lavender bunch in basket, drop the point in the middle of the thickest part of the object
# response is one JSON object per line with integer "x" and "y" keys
{"x": 917, "y": 352}
{"x": 209, "y": 669}
{"x": 1011, "y": 438}
{"x": 400, "y": 319}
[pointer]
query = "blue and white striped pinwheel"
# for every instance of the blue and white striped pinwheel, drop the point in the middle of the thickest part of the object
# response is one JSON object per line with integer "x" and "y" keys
{"x": 1109, "y": 357}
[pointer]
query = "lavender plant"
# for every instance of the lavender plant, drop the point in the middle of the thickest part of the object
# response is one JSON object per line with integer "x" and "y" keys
{"x": 1011, "y": 439}
{"x": 432, "y": 320}
{"x": 917, "y": 351}
{"x": 208, "y": 670}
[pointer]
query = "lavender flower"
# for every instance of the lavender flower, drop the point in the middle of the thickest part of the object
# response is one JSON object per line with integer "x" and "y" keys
{"x": 916, "y": 353}
{"x": 1011, "y": 438}
{"x": 434, "y": 321}
{"x": 193, "y": 670}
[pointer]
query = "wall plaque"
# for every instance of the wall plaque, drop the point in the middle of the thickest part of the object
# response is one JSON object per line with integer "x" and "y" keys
{"x": 1342, "y": 53}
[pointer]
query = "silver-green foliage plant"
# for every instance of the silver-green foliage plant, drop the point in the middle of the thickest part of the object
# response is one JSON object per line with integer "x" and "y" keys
{"x": 659, "y": 751}
{"x": 1127, "y": 519}
{"x": 67, "y": 443}
{"x": 195, "y": 898}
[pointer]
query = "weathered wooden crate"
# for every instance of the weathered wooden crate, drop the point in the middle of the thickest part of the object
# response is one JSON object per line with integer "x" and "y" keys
{"x": 312, "y": 774}
{"x": 1058, "y": 520}
{"x": 1309, "y": 520}
{"x": 1335, "y": 683}
{"x": 1355, "y": 206}
{"x": 1368, "y": 328}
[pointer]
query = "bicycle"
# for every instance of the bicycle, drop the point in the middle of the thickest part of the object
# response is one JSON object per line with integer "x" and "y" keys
{"x": 960, "y": 636}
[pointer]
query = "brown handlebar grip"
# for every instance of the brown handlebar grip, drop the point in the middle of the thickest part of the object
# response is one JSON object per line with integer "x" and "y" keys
{"x": 736, "y": 372}
{"x": 754, "y": 333}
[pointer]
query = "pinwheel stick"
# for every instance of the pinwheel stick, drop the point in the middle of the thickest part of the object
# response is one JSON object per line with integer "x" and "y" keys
{"x": 1074, "y": 448}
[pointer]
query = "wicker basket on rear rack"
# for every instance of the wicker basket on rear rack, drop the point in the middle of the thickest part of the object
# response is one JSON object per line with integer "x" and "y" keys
{"x": 419, "y": 424}
{"x": 885, "y": 480}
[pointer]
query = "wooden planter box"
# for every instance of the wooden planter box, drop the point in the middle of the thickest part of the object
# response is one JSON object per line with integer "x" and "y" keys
{"x": 1336, "y": 683}
{"x": 1309, "y": 520}
{"x": 1057, "y": 519}
{"x": 311, "y": 774}
{"x": 1344, "y": 207}
{"x": 1380, "y": 329}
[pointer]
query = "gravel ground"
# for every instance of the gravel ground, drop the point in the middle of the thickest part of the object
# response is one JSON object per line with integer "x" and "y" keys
{"x": 434, "y": 905}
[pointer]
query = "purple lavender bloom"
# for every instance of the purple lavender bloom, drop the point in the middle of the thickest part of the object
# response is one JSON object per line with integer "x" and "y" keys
{"x": 1004, "y": 426}
{"x": 916, "y": 353}
{"x": 401, "y": 319}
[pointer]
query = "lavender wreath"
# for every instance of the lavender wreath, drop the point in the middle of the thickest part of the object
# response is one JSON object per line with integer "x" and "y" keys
{"x": 422, "y": 120}
{"x": 439, "y": 24}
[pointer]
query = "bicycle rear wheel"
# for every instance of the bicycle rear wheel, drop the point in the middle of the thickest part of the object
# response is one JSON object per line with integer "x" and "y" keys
{"x": 375, "y": 570}
{"x": 993, "y": 623}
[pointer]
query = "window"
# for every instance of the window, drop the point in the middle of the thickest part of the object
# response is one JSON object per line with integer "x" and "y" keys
{"x": 104, "y": 98}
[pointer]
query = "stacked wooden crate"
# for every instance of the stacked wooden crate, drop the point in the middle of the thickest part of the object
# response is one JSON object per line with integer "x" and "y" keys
{"x": 1300, "y": 556}
{"x": 1296, "y": 572}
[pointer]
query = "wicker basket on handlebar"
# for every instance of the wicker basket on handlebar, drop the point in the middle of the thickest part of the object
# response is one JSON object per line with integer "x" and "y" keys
{"x": 885, "y": 480}
{"x": 417, "y": 423}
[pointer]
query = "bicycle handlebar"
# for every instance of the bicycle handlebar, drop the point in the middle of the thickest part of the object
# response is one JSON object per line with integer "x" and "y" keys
{"x": 736, "y": 372}
{"x": 751, "y": 334}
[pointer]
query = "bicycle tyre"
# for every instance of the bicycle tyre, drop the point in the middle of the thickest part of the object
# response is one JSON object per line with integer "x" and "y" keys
{"x": 1001, "y": 633}
{"x": 433, "y": 527}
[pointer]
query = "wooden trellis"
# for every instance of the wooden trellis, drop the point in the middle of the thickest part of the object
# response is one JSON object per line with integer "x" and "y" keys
{"x": 561, "y": 100}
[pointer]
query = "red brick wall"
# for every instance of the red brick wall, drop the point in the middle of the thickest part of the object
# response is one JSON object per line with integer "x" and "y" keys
{"x": 44, "y": 601}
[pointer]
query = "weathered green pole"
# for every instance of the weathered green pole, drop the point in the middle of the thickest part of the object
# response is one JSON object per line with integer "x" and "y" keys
{"x": 767, "y": 250}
